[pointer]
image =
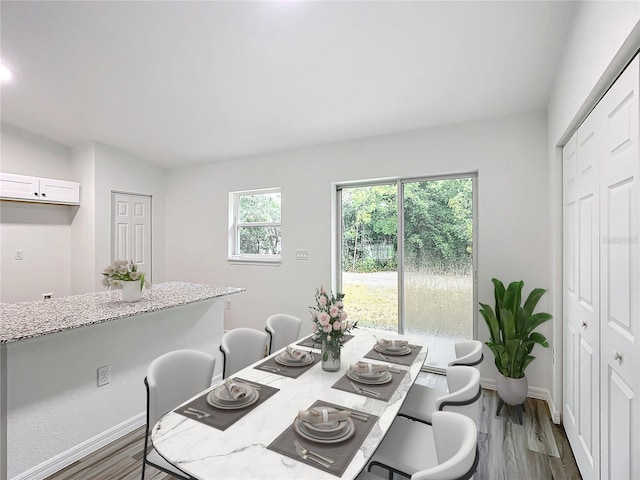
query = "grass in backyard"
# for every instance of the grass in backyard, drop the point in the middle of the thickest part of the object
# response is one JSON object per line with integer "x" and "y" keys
{"x": 435, "y": 304}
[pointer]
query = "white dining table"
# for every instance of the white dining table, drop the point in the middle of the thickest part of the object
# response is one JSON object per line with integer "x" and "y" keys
{"x": 240, "y": 451}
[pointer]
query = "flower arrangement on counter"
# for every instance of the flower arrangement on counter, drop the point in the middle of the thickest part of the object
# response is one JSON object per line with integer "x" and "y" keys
{"x": 329, "y": 318}
{"x": 122, "y": 271}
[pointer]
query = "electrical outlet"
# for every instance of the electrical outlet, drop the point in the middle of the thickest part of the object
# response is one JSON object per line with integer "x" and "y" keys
{"x": 104, "y": 375}
{"x": 47, "y": 296}
{"x": 18, "y": 254}
{"x": 228, "y": 304}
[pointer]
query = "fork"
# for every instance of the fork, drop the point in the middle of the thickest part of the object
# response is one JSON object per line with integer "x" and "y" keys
{"x": 269, "y": 368}
{"x": 383, "y": 357}
{"x": 199, "y": 412}
{"x": 304, "y": 456}
{"x": 364, "y": 390}
{"x": 189, "y": 412}
{"x": 303, "y": 450}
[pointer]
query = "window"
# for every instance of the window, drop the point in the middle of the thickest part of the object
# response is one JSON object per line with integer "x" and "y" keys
{"x": 254, "y": 225}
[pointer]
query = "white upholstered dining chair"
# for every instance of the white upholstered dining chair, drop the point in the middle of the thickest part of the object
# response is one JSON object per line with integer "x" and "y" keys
{"x": 463, "y": 396}
{"x": 283, "y": 329}
{"x": 445, "y": 450}
{"x": 172, "y": 379}
{"x": 241, "y": 347}
{"x": 468, "y": 352}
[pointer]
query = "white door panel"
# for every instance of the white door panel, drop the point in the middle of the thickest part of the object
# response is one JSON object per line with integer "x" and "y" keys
{"x": 620, "y": 286}
{"x": 131, "y": 230}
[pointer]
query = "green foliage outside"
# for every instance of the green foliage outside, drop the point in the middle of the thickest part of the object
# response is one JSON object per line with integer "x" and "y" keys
{"x": 438, "y": 222}
{"x": 257, "y": 212}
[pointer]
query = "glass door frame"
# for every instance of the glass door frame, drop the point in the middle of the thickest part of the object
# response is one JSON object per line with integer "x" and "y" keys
{"x": 400, "y": 182}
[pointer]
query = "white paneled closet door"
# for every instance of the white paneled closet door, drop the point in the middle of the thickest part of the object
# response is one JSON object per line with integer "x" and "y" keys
{"x": 601, "y": 411}
{"x": 581, "y": 297}
{"x": 131, "y": 230}
{"x": 620, "y": 283}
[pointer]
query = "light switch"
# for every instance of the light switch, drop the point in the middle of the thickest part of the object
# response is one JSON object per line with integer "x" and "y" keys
{"x": 18, "y": 254}
{"x": 302, "y": 254}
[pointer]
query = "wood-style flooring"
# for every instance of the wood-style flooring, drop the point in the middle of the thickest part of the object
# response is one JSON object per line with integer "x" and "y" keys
{"x": 536, "y": 450}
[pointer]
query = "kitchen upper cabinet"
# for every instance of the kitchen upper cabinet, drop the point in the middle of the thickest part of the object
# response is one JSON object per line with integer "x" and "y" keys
{"x": 41, "y": 190}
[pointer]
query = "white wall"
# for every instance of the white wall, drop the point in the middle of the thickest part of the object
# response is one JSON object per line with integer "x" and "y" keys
{"x": 56, "y": 412}
{"x": 604, "y": 37}
{"x": 37, "y": 229}
{"x": 118, "y": 171}
{"x": 508, "y": 153}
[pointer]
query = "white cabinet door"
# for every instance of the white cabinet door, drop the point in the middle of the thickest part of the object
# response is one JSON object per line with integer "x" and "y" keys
{"x": 19, "y": 187}
{"x": 620, "y": 282}
{"x": 581, "y": 296}
{"x": 36, "y": 189}
{"x": 59, "y": 191}
{"x": 131, "y": 230}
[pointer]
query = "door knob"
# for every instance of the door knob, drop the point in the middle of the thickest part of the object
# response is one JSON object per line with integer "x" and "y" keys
{"x": 584, "y": 324}
{"x": 617, "y": 356}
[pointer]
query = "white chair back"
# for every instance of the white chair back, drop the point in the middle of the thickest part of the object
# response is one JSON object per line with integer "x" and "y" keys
{"x": 456, "y": 439}
{"x": 283, "y": 329}
{"x": 464, "y": 392}
{"x": 172, "y": 379}
{"x": 468, "y": 352}
{"x": 241, "y": 347}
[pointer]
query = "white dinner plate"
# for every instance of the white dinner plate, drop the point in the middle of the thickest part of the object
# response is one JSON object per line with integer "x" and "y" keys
{"x": 386, "y": 377}
{"x": 245, "y": 402}
{"x": 346, "y": 432}
{"x": 404, "y": 351}
{"x": 285, "y": 359}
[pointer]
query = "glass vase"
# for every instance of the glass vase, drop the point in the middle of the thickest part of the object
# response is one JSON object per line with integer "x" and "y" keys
{"x": 331, "y": 355}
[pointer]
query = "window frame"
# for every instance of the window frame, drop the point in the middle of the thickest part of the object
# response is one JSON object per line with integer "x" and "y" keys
{"x": 233, "y": 255}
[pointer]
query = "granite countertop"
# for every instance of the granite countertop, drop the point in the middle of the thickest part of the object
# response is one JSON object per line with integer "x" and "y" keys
{"x": 20, "y": 321}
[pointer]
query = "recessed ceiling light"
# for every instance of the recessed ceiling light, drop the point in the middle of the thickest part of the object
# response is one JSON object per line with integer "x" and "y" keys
{"x": 5, "y": 73}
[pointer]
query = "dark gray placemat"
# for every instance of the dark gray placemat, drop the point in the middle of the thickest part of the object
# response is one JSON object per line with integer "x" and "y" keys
{"x": 223, "y": 419}
{"x": 407, "y": 359}
{"x": 385, "y": 390}
{"x": 309, "y": 342}
{"x": 342, "y": 453}
{"x": 272, "y": 366}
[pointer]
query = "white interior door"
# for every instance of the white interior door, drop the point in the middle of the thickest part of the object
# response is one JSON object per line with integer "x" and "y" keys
{"x": 131, "y": 230}
{"x": 581, "y": 297}
{"x": 620, "y": 283}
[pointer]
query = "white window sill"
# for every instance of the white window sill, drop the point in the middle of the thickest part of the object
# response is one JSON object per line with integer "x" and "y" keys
{"x": 272, "y": 261}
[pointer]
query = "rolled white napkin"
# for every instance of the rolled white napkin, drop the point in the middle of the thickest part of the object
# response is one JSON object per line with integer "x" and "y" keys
{"x": 392, "y": 343}
{"x": 365, "y": 367}
{"x": 322, "y": 415}
{"x": 235, "y": 391}
{"x": 295, "y": 353}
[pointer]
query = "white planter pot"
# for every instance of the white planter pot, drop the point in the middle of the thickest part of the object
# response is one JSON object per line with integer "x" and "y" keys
{"x": 131, "y": 291}
{"x": 512, "y": 390}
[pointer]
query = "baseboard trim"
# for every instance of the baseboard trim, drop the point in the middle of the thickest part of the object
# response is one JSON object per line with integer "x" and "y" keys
{"x": 533, "y": 392}
{"x": 66, "y": 458}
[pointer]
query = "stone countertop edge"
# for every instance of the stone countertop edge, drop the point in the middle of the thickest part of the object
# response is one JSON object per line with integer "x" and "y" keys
{"x": 21, "y": 321}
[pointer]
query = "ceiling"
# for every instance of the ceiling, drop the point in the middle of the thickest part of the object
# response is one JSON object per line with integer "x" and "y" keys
{"x": 177, "y": 83}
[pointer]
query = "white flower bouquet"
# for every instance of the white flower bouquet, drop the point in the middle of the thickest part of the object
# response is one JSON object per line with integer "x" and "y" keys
{"x": 122, "y": 271}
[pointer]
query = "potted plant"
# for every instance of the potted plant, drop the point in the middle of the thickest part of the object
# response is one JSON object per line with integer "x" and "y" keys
{"x": 125, "y": 275}
{"x": 512, "y": 337}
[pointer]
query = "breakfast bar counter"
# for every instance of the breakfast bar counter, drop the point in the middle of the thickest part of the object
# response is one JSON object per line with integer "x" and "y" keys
{"x": 53, "y": 410}
{"x": 19, "y": 321}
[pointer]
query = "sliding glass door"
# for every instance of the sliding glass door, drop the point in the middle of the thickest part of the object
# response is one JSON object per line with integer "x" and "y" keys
{"x": 411, "y": 272}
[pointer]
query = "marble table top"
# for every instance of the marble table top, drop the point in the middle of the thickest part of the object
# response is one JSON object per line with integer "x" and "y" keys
{"x": 20, "y": 321}
{"x": 240, "y": 452}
